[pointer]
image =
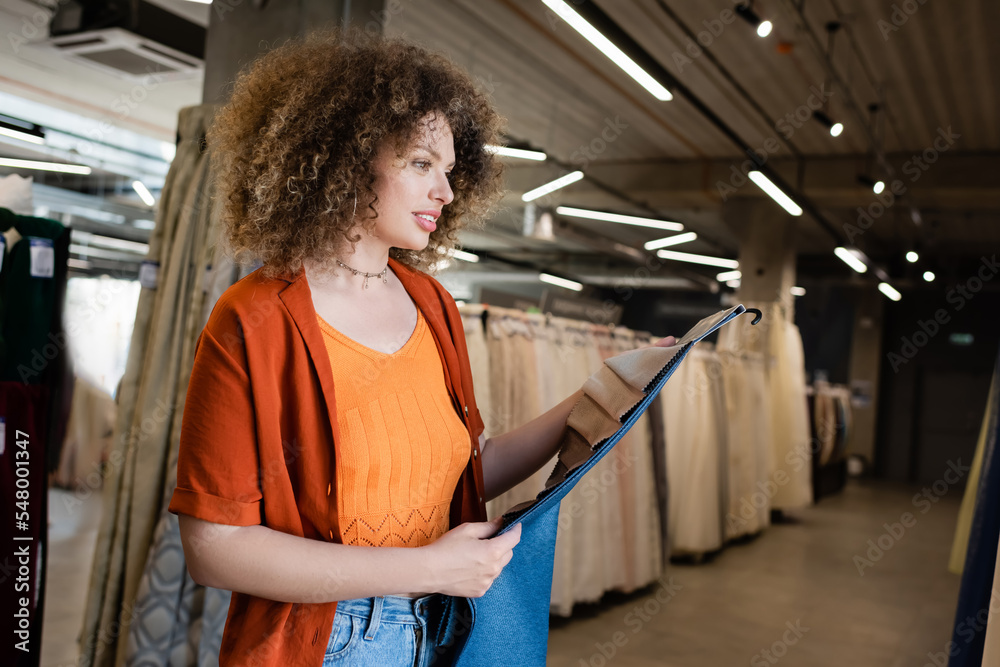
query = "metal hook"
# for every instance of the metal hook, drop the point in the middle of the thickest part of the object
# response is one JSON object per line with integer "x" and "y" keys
{"x": 757, "y": 314}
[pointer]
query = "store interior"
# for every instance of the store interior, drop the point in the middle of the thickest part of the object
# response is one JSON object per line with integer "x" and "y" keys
{"x": 820, "y": 488}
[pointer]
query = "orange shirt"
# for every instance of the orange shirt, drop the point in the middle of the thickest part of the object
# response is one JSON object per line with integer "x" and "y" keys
{"x": 402, "y": 446}
{"x": 260, "y": 440}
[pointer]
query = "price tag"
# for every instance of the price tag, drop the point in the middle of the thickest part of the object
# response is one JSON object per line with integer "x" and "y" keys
{"x": 43, "y": 258}
{"x": 149, "y": 274}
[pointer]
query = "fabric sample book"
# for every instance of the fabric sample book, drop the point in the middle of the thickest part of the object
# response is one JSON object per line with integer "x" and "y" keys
{"x": 509, "y": 625}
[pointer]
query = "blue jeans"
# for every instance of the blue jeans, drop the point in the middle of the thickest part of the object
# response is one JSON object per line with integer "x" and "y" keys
{"x": 392, "y": 630}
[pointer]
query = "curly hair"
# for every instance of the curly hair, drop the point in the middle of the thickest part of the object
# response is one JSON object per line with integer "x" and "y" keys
{"x": 295, "y": 146}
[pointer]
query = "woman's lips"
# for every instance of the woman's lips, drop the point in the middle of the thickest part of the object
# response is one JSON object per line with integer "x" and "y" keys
{"x": 425, "y": 224}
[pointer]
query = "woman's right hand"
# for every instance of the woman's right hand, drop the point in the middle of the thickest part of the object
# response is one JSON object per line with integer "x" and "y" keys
{"x": 466, "y": 560}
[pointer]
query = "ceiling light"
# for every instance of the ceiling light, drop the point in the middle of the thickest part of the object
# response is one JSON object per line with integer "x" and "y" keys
{"x": 45, "y": 166}
{"x": 560, "y": 282}
{"x": 604, "y": 45}
{"x": 676, "y": 239}
{"x": 721, "y": 262}
{"x": 726, "y": 276}
{"x": 929, "y": 276}
{"x": 836, "y": 129}
{"x": 889, "y": 291}
{"x": 21, "y": 135}
{"x": 143, "y": 193}
{"x": 747, "y": 13}
{"x": 521, "y": 153}
{"x": 798, "y": 291}
{"x": 560, "y": 182}
{"x": 465, "y": 256}
{"x": 851, "y": 259}
{"x": 15, "y": 128}
{"x": 877, "y": 186}
{"x": 666, "y": 225}
{"x": 912, "y": 257}
{"x": 90, "y": 239}
{"x": 775, "y": 193}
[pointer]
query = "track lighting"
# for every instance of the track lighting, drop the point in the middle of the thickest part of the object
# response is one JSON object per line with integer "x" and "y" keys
{"x": 666, "y": 225}
{"x": 520, "y": 153}
{"x": 889, "y": 291}
{"x": 775, "y": 193}
{"x": 143, "y": 192}
{"x": 605, "y": 46}
{"x": 877, "y": 186}
{"x": 912, "y": 257}
{"x": 676, "y": 239}
{"x": 835, "y": 128}
{"x": 850, "y": 258}
{"x": 560, "y": 282}
{"x": 552, "y": 186}
{"x": 746, "y": 12}
{"x": 45, "y": 166}
{"x": 929, "y": 276}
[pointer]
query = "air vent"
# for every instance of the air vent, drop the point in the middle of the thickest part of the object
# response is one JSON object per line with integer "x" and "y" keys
{"x": 123, "y": 54}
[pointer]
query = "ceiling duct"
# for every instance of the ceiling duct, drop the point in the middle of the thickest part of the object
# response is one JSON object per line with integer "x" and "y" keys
{"x": 128, "y": 39}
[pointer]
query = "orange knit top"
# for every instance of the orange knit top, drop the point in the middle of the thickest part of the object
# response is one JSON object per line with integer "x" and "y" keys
{"x": 403, "y": 447}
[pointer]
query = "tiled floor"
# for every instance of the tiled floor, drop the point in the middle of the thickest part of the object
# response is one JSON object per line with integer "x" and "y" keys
{"x": 792, "y": 596}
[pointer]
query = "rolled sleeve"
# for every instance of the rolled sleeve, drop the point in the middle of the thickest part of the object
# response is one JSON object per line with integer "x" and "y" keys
{"x": 218, "y": 478}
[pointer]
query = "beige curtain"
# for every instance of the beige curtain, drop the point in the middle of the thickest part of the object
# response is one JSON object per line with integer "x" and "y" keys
{"x": 138, "y": 554}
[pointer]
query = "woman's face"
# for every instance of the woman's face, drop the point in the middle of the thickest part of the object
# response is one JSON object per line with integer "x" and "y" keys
{"x": 413, "y": 188}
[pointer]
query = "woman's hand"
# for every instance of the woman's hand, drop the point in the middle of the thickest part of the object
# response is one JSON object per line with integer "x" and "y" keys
{"x": 466, "y": 560}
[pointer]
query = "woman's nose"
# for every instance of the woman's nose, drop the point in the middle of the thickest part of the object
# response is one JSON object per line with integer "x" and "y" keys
{"x": 442, "y": 191}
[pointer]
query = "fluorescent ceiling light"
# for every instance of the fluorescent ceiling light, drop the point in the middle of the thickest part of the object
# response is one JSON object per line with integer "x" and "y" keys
{"x": 889, "y": 291}
{"x": 560, "y": 182}
{"x": 798, "y": 291}
{"x": 89, "y": 239}
{"x": 775, "y": 193}
{"x": 726, "y": 276}
{"x": 465, "y": 256}
{"x": 929, "y": 276}
{"x": 912, "y": 257}
{"x": 75, "y": 263}
{"x": 604, "y": 45}
{"x": 23, "y": 136}
{"x": 850, "y": 259}
{"x": 560, "y": 282}
{"x": 143, "y": 192}
{"x": 733, "y": 283}
{"x": 517, "y": 152}
{"x": 665, "y": 225}
{"x": 698, "y": 259}
{"x": 670, "y": 240}
{"x": 45, "y": 166}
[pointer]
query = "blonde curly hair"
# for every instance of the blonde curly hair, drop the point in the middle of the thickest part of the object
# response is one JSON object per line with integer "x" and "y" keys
{"x": 295, "y": 146}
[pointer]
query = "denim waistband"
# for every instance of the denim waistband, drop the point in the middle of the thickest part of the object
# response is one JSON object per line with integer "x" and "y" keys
{"x": 392, "y": 608}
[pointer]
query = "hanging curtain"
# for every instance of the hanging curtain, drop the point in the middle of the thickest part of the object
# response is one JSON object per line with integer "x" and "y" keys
{"x": 982, "y": 551}
{"x": 142, "y": 607}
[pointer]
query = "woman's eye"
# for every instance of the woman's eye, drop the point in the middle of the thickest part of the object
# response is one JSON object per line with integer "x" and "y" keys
{"x": 422, "y": 164}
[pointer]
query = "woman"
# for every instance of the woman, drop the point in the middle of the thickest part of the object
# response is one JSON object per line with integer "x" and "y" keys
{"x": 332, "y": 470}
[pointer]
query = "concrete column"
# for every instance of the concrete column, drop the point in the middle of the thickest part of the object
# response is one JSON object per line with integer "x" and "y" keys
{"x": 240, "y": 30}
{"x": 865, "y": 364}
{"x": 767, "y": 251}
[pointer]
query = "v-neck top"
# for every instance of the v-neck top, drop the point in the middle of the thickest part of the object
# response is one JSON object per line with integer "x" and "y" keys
{"x": 402, "y": 446}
